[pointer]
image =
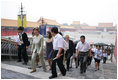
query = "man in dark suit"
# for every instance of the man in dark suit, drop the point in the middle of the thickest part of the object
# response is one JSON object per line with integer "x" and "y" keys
{"x": 69, "y": 52}
{"x": 23, "y": 44}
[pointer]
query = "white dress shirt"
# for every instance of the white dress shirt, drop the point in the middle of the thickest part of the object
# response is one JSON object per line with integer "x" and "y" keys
{"x": 83, "y": 47}
{"x": 20, "y": 42}
{"x": 58, "y": 42}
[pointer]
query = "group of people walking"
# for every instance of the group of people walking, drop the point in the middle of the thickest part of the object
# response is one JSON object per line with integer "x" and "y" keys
{"x": 60, "y": 51}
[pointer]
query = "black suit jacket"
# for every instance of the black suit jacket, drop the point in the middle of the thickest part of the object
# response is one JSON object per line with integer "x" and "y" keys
{"x": 71, "y": 46}
{"x": 25, "y": 40}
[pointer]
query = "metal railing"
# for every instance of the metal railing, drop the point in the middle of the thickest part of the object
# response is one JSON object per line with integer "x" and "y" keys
{"x": 10, "y": 48}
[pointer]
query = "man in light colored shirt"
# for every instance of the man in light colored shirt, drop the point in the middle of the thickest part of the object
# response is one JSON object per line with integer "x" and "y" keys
{"x": 58, "y": 42}
{"x": 23, "y": 45}
{"x": 58, "y": 47}
{"x": 82, "y": 48}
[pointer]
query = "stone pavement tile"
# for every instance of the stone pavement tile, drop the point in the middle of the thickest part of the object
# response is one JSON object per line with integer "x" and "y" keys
{"x": 106, "y": 71}
{"x": 13, "y": 62}
{"x": 38, "y": 74}
{"x": 19, "y": 64}
{"x": 90, "y": 73}
{"x": 110, "y": 70}
{"x": 22, "y": 70}
{"x": 8, "y": 74}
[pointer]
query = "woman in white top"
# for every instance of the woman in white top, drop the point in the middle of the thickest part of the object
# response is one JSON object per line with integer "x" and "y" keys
{"x": 97, "y": 57}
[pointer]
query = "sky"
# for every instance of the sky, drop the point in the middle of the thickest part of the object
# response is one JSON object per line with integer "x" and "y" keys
{"x": 91, "y": 12}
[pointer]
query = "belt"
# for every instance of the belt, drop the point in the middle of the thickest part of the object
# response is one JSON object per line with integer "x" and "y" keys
{"x": 83, "y": 52}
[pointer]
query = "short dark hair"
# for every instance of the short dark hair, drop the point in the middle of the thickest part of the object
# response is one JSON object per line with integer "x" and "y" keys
{"x": 54, "y": 29}
{"x": 50, "y": 35}
{"x": 21, "y": 28}
{"x": 96, "y": 45}
{"x": 82, "y": 36}
{"x": 99, "y": 46}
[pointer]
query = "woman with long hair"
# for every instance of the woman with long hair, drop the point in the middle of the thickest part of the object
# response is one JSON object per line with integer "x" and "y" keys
{"x": 49, "y": 48}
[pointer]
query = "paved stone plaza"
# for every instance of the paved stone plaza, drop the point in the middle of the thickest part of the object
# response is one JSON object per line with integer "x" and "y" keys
{"x": 14, "y": 70}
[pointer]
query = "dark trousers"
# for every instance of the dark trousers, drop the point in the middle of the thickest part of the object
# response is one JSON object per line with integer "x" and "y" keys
{"x": 68, "y": 56}
{"x": 83, "y": 60}
{"x": 22, "y": 53}
{"x": 59, "y": 62}
{"x": 104, "y": 60}
{"x": 77, "y": 62}
{"x": 89, "y": 60}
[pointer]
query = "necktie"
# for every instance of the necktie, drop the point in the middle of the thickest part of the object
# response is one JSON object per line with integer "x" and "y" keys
{"x": 20, "y": 37}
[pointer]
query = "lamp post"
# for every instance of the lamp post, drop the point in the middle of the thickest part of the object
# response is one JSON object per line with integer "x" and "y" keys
{"x": 21, "y": 14}
{"x": 42, "y": 27}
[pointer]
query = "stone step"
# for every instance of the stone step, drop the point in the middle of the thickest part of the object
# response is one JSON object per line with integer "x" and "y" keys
{"x": 40, "y": 74}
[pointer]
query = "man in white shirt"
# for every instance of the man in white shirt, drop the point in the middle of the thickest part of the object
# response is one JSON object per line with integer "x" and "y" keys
{"x": 82, "y": 48}
{"x": 23, "y": 45}
{"x": 58, "y": 47}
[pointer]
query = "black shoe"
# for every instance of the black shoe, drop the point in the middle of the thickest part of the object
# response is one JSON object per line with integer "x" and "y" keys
{"x": 25, "y": 63}
{"x": 19, "y": 61}
{"x": 76, "y": 66}
{"x": 81, "y": 72}
{"x": 64, "y": 73}
{"x": 39, "y": 66}
{"x": 84, "y": 71}
{"x": 29, "y": 68}
{"x": 52, "y": 76}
